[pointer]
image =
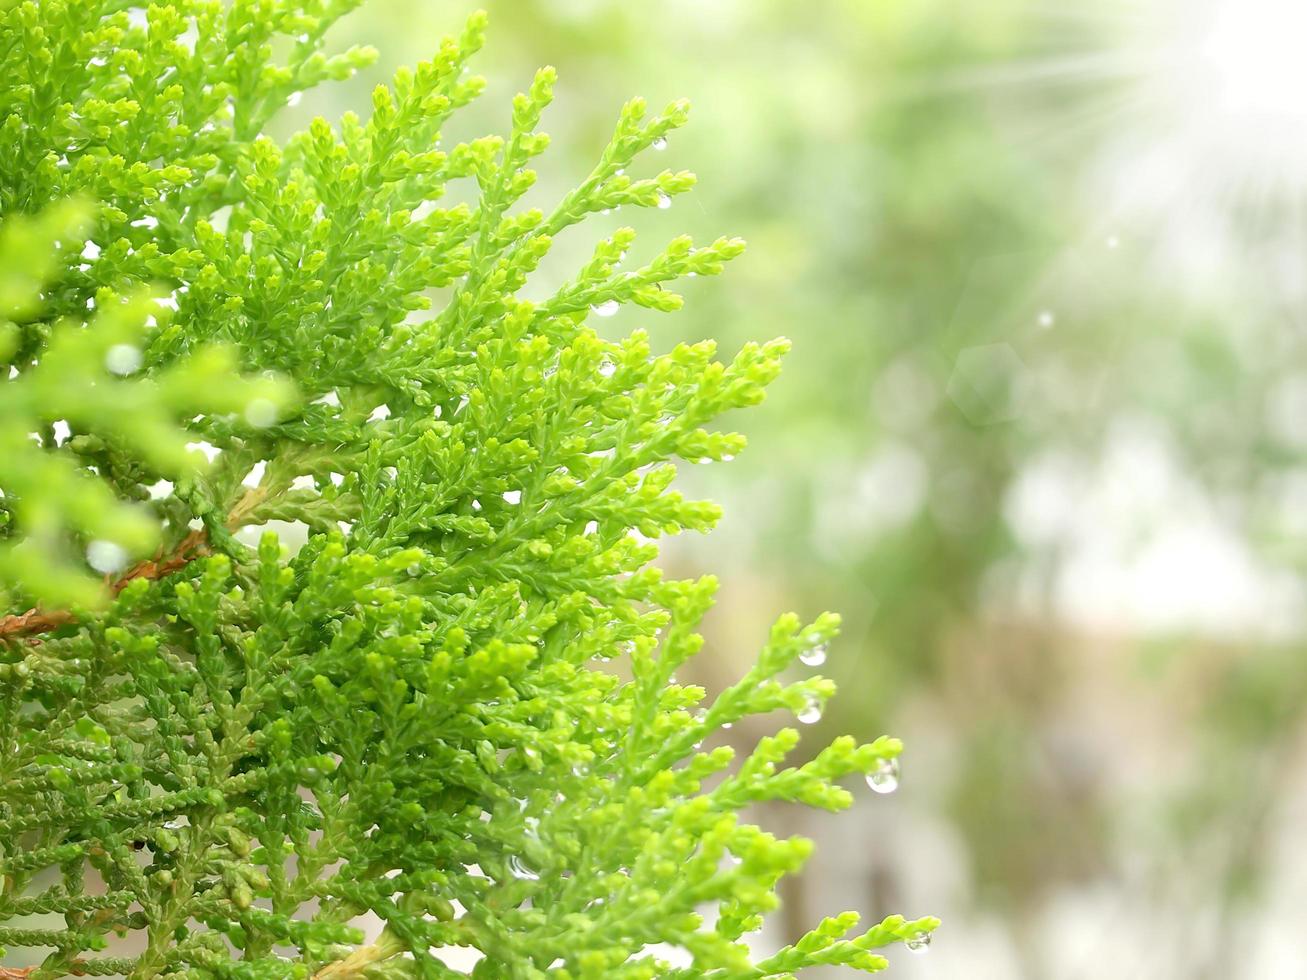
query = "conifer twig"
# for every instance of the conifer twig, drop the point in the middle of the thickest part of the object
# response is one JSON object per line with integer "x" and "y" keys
{"x": 386, "y": 946}
{"x": 195, "y": 545}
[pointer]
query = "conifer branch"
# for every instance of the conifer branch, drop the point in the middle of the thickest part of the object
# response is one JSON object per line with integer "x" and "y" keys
{"x": 413, "y": 715}
{"x": 194, "y": 545}
{"x": 386, "y": 946}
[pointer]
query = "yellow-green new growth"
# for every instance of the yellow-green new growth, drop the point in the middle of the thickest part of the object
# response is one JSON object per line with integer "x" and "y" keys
{"x": 451, "y": 712}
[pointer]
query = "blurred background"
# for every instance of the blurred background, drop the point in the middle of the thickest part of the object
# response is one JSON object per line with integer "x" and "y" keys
{"x": 1041, "y": 439}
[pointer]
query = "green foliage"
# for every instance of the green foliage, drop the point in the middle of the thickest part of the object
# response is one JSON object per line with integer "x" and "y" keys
{"x": 67, "y": 373}
{"x": 455, "y": 706}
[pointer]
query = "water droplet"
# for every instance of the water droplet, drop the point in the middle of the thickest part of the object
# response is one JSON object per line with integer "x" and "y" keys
{"x": 664, "y": 202}
{"x": 815, "y": 655}
{"x": 123, "y": 359}
{"x": 607, "y": 308}
{"x": 920, "y": 943}
{"x": 607, "y": 369}
{"x": 885, "y": 778}
{"x": 106, "y": 556}
{"x": 520, "y": 870}
{"x": 512, "y": 496}
{"x": 659, "y": 143}
{"x": 294, "y": 98}
{"x": 1046, "y": 319}
{"x": 727, "y": 726}
{"x": 260, "y": 413}
{"x": 811, "y": 713}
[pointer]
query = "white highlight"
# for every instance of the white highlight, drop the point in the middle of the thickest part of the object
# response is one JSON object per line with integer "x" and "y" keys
{"x": 106, "y": 556}
{"x": 1253, "y": 51}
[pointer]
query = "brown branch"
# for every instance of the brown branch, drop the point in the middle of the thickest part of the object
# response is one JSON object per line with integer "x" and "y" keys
{"x": 37, "y": 620}
{"x": 33, "y": 621}
{"x": 194, "y": 545}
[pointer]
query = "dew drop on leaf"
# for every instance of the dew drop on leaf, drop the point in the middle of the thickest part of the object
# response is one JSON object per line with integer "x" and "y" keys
{"x": 123, "y": 359}
{"x": 884, "y": 778}
{"x": 106, "y": 556}
{"x": 920, "y": 943}
{"x": 810, "y": 714}
{"x": 659, "y": 144}
{"x": 607, "y": 308}
{"x": 815, "y": 655}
